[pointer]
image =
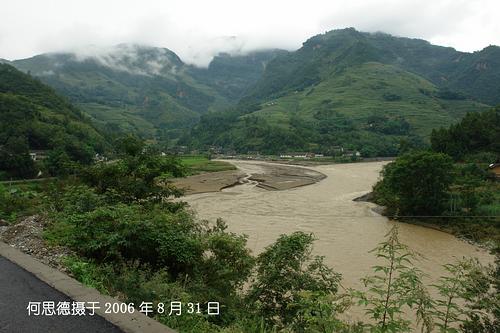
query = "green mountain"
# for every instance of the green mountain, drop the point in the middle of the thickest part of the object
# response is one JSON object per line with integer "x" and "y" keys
{"x": 146, "y": 90}
{"x": 476, "y": 75}
{"x": 34, "y": 117}
{"x": 233, "y": 75}
{"x": 371, "y": 92}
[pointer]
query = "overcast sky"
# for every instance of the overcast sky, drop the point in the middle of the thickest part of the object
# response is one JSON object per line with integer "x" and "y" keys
{"x": 196, "y": 30}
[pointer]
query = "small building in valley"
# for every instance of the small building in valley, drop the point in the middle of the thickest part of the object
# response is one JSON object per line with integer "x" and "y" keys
{"x": 38, "y": 155}
{"x": 305, "y": 155}
{"x": 495, "y": 168}
{"x": 351, "y": 153}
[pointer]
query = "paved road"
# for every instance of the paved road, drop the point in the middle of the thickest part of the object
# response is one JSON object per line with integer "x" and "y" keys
{"x": 18, "y": 287}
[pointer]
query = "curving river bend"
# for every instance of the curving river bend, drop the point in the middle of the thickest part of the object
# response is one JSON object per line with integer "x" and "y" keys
{"x": 346, "y": 230}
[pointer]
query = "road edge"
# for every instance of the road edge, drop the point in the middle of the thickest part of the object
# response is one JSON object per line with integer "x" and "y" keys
{"x": 136, "y": 322}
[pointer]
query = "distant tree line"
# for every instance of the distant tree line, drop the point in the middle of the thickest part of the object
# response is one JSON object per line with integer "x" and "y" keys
{"x": 475, "y": 133}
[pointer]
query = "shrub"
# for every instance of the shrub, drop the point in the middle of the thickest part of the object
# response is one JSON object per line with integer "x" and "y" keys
{"x": 15, "y": 202}
{"x": 285, "y": 270}
{"x": 395, "y": 288}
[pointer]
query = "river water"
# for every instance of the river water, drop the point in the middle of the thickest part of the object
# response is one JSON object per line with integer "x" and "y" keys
{"x": 345, "y": 230}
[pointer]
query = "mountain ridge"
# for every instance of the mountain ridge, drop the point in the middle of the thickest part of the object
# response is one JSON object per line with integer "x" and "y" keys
{"x": 341, "y": 87}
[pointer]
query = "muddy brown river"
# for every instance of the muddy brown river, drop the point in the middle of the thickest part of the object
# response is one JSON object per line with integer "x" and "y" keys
{"x": 346, "y": 230}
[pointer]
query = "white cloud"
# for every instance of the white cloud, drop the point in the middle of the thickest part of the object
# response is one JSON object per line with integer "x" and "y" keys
{"x": 127, "y": 58}
{"x": 196, "y": 30}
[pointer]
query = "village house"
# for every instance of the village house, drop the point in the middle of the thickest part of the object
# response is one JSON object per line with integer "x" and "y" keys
{"x": 229, "y": 152}
{"x": 337, "y": 150}
{"x": 38, "y": 155}
{"x": 300, "y": 155}
{"x": 495, "y": 169}
{"x": 349, "y": 153}
{"x": 100, "y": 158}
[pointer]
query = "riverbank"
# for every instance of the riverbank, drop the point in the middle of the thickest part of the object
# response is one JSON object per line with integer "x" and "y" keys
{"x": 345, "y": 230}
{"x": 472, "y": 233}
{"x": 272, "y": 177}
{"x": 209, "y": 181}
{"x": 284, "y": 177}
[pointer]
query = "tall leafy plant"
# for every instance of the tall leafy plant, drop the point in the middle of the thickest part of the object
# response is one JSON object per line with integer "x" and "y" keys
{"x": 394, "y": 289}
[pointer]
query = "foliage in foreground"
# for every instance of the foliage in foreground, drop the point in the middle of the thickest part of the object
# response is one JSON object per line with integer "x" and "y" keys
{"x": 146, "y": 247}
{"x": 154, "y": 254}
{"x": 395, "y": 290}
{"x": 287, "y": 275}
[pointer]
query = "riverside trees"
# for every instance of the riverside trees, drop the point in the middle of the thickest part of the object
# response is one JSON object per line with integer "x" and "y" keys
{"x": 450, "y": 184}
{"x": 416, "y": 184}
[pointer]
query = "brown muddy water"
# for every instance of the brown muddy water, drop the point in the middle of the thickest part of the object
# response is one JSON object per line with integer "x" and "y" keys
{"x": 345, "y": 230}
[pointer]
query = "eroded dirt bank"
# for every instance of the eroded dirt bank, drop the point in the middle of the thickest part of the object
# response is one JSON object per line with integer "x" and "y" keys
{"x": 275, "y": 177}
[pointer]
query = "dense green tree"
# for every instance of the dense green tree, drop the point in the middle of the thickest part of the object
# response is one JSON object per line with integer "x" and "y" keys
{"x": 33, "y": 117}
{"x": 416, "y": 184}
{"x": 476, "y": 132}
{"x": 58, "y": 163}
{"x": 15, "y": 159}
{"x": 140, "y": 174}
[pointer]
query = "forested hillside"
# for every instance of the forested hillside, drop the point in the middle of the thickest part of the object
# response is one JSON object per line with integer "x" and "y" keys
{"x": 473, "y": 75}
{"x": 146, "y": 90}
{"x": 34, "y": 117}
{"x": 233, "y": 75}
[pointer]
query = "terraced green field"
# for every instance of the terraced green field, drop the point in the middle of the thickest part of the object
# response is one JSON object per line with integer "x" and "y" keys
{"x": 364, "y": 91}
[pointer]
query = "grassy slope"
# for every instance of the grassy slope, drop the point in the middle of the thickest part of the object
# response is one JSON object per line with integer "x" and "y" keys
{"x": 135, "y": 102}
{"x": 331, "y": 90}
{"x": 358, "y": 93}
{"x": 131, "y": 107}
